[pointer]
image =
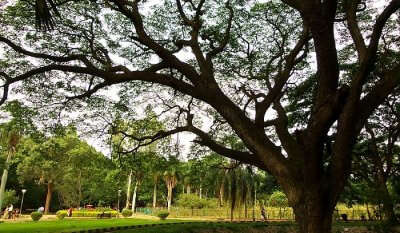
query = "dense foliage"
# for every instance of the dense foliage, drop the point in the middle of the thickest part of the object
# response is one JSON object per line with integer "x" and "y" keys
{"x": 36, "y": 216}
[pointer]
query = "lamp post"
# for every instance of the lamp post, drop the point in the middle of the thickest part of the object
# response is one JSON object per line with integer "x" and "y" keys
{"x": 119, "y": 195}
{"x": 22, "y": 201}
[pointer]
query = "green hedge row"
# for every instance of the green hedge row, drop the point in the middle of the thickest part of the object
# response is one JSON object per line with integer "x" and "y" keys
{"x": 83, "y": 213}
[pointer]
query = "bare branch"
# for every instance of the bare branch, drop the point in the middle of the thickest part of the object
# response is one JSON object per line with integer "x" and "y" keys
{"x": 351, "y": 10}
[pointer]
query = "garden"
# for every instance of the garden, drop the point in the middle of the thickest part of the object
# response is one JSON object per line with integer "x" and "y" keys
{"x": 200, "y": 116}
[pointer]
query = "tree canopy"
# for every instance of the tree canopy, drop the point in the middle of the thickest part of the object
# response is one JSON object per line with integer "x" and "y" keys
{"x": 294, "y": 81}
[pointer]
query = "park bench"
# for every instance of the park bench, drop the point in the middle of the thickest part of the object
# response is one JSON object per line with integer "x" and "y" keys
{"x": 104, "y": 215}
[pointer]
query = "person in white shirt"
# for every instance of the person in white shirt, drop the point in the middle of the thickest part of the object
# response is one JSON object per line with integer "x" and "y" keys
{"x": 11, "y": 208}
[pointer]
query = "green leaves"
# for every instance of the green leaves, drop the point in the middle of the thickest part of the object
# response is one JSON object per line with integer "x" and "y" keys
{"x": 278, "y": 199}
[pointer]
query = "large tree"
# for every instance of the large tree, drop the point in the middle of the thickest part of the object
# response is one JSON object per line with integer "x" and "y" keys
{"x": 249, "y": 62}
{"x": 377, "y": 154}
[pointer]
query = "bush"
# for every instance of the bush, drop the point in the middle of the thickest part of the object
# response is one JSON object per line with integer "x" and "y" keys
{"x": 36, "y": 216}
{"x": 163, "y": 214}
{"x": 193, "y": 201}
{"x": 127, "y": 213}
{"x": 278, "y": 199}
{"x": 61, "y": 214}
{"x": 89, "y": 213}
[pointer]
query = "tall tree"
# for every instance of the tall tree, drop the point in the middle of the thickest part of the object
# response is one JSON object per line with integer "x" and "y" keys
{"x": 245, "y": 60}
{"x": 10, "y": 140}
{"x": 61, "y": 162}
{"x": 11, "y": 132}
{"x": 377, "y": 153}
{"x": 171, "y": 180}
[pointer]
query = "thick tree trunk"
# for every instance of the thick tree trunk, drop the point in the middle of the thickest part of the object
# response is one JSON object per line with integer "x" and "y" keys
{"x": 155, "y": 195}
{"x": 313, "y": 218}
{"x": 128, "y": 191}
{"x": 48, "y": 197}
{"x": 134, "y": 196}
{"x": 387, "y": 201}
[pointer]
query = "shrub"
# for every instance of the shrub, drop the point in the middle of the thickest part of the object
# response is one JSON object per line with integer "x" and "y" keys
{"x": 61, "y": 214}
{"x": 193, "y": 201}
{"x": 127, "y": 213}
{"x": 89, "y": 213}
{"x": 163, "y": 214}
{"x": 278, "y": 199}
{"x": 36, "y": 216}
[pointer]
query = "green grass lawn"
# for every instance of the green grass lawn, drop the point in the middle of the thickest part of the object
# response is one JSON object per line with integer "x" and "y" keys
{"x": 67, "y": 225}
{"x": 201, "y": 228}
{"x": 287, "y": 227}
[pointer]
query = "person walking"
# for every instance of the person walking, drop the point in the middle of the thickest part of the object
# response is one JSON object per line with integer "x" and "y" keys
{"x": 10, "y": 211}
{"x": 69, "y": 212}
{"x": 263, "y": 216}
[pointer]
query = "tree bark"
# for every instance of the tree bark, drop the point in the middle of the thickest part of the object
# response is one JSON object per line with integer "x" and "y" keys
{"x": 4, "y": 180}
{"x": 134, "y": 196}
{"x": 128, "y": 192}
{"x": 245, "y": 209}
{"x": 254, "y": 204}
{"x": 155, "y": 195}
{"x": 368, "y": 213}
{"x": 48, "y": 197}
{"x": 388, "y": 207}
{"x": 200, "y": 191}
{"x": 313, "y": 218}
{"x": 221, "y": 195}
{"x": 169, "y": 198}
{"x": 80, "y": 188}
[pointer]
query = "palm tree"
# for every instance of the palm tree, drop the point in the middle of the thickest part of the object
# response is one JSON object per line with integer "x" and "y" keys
{"x": 156, "y": 177}
{"x": 128, "y": 192}
{"x": 171, "y": 180}
{"x": 187, "y": 182}
{"x": 9, "y": 139}
{"x": 239, "y": 185}
{"x": 139, "y": 178}
{"x": 44, "y": 12}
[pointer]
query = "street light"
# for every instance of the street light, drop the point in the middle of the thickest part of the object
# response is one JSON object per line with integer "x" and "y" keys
{"x": 119, "y": 195}
{"x": 22, "y": 201}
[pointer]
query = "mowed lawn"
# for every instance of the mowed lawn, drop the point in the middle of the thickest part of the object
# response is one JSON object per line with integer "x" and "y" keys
{"x": 203, "y": 228}
{"x": 68, "y": 225}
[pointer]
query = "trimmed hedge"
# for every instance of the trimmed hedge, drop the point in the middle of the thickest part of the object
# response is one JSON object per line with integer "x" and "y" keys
{"x": 127, "y": 213}
{"x": 61, "y": 215}
{"x": 36, "y": 216}
{"x": 88, "y": 213}
{"x": 163, "y": 214}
